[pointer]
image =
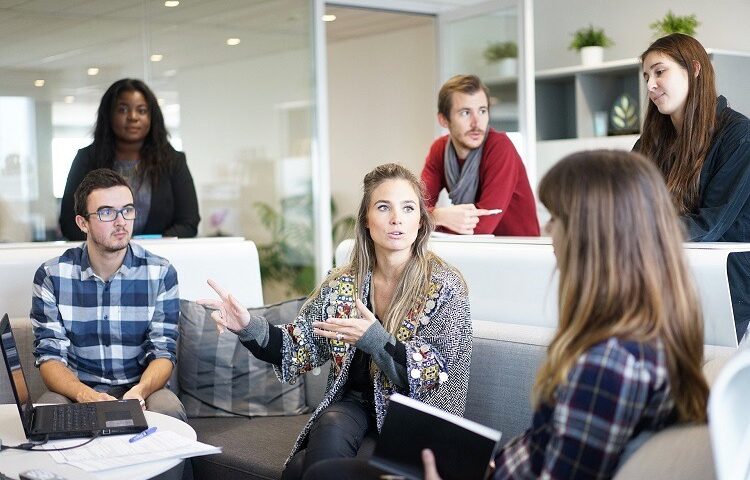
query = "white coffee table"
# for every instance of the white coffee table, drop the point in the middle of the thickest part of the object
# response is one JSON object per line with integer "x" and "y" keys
{"x": 12, "y": 462}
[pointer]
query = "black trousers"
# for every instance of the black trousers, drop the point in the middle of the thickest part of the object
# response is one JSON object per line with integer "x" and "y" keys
{"x": 339, "y": 432}
{"x": 346, "y": 469}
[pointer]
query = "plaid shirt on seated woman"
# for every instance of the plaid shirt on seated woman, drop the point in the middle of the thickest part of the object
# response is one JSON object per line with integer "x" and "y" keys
{"x": 615, "y": 390}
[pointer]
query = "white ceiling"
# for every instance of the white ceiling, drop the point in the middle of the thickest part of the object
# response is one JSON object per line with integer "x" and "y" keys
{"x": 57, "y": 40}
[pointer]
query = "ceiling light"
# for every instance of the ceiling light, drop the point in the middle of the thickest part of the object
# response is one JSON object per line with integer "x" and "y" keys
{"x": 93, "y": 71}
{"x": 171, "y": 3}
{"x": 69, "y": 99}
{"x": 39, "y": 83}
{"x": 156, "y": 57}
{"x": 161, "y": 102}
{"x": 233, "y": 41}
{"x": 170, "y": 73}
{"x": 329, "y": 18}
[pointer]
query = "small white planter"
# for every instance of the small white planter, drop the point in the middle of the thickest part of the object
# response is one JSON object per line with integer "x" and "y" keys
{"x": 507, "y": 67}
{"x": 592, "y": 55}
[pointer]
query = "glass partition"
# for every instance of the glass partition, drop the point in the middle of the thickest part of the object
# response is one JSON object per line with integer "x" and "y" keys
{"x": 487, "y": 40}
{"x": 235, "y": 81}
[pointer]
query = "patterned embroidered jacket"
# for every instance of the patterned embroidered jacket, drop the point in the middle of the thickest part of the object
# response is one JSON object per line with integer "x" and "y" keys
{"x": 437, "y": 336}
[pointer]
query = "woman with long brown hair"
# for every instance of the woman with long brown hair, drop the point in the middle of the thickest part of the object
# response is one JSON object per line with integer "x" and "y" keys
{"x": 702, "y": 148}
{"x": 626, "y": 358}
{"x": 395, "y": 319}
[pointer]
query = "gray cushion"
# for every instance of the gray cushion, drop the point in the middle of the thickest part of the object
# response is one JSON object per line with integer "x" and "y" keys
{"x": 502, "y": 374}
{"x": 681, "y": 451}
{"x": 251, "y": 448}
{"x": 219, "y": 377}
{"x": 24, "y": 336}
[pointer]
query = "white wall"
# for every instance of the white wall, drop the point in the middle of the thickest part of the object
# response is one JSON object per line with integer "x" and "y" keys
{"x": 232, "y": 125}
{"x": 724, "y": 25}
{"x": 382, "y": 106}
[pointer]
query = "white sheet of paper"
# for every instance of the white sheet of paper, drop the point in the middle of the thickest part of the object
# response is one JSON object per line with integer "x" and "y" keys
{"x": 116, "y": 451}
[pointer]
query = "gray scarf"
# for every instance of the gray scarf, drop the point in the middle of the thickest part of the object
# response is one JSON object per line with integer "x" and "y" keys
{"x": 462, "y": 182}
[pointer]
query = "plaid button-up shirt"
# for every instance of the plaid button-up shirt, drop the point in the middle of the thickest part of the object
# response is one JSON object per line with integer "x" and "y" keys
{"x": 616, "y": 390}
{"x": 105, "y": 332}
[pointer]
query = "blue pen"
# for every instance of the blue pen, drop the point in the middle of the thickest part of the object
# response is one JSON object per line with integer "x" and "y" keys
{"x": 148, "y": 431}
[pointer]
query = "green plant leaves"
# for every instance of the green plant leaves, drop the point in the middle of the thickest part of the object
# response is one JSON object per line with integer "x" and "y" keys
{"x": 500, "y": 50}
{"x": 672, "y": 23}
{"x": 590, "y": 37}
{"x": 624, "y": 114}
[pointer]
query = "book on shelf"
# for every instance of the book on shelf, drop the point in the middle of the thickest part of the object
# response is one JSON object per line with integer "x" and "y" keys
{"x": 463, "y": 448}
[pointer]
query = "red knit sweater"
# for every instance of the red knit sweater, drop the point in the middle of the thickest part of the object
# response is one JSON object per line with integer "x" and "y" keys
{"x": 502, "y": 184}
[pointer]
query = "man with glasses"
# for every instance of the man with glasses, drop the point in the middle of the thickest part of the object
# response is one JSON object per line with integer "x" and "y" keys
{"x": 105, "y": 313}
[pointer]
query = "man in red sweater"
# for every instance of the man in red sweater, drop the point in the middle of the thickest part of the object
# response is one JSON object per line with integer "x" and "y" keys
{"x": 478, "y": 166}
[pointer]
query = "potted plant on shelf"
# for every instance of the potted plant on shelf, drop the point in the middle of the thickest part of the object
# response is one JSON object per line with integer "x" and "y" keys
{"x": 590, "y": 41}
{"x": 672, "y": 23}
{"x": 504, "y": 54}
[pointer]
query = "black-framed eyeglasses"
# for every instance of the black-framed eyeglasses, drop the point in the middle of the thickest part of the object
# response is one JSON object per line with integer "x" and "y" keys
{"x": 110, "y": 214}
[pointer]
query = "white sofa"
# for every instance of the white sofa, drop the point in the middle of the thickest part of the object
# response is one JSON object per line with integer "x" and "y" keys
{"x": 231, "y": 260}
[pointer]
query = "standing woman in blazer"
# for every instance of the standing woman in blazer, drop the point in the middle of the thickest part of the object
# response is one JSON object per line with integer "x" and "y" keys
{"x": 130, "y": 137}
{"x": 702, "y": 148}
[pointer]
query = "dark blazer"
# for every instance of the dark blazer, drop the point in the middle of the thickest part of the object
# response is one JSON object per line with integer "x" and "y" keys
{"x": 723, "y": 214}
{"x": 174, "y": 205}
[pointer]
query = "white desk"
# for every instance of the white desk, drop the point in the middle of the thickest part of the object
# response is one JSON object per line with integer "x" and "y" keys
{"x": 13, "y": 462}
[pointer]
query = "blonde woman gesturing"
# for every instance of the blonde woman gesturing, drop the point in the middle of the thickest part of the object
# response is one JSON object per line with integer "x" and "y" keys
{"x": 394, "y": 319}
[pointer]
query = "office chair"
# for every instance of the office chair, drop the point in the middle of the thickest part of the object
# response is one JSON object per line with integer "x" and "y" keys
{"x": 729, "y": 418}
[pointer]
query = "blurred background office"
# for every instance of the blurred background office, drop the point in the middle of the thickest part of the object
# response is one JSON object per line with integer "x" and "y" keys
{"x": 283, "y": 105}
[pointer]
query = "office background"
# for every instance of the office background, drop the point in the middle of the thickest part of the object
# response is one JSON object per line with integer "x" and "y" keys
{"x": 246, "y": 115}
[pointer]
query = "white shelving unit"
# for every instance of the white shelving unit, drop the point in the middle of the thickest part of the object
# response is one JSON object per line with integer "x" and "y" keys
{"x": 567, "y": 99}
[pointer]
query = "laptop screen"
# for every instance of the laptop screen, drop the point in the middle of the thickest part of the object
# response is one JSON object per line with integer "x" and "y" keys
{"x": 15, "y": 373}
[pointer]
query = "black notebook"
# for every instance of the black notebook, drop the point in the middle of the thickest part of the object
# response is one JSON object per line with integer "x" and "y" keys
{"x": 463, "y": 448}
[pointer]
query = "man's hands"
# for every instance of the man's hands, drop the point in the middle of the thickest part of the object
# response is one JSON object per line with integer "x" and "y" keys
{"x": 136, "y": 394}
{"x": 348, "y": 330}
{"x": 88, "y": 394}
{"x": 228, "y": 312}
{"x": 459, "y": 218}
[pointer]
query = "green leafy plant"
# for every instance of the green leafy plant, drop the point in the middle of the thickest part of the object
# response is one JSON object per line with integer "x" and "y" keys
{"x": 499, "y": 50}
{"x": 589, "y": 37}
{"x": 289, "y": 258}
{"x": 672, "y": 23}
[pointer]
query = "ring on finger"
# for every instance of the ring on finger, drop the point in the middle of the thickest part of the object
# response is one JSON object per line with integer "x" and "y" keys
{"x": 339, "y": 336}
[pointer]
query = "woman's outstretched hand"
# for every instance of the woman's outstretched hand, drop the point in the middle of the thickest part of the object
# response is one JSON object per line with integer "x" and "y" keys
{"x": 228, "y": 312}
{"x": 348, "y": 330}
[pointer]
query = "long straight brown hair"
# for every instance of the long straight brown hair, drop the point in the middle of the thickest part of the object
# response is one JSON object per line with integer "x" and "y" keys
{"x": 680, "y": 156}
{"x": 622, "y": 271}
{"x": 415, "y": 278}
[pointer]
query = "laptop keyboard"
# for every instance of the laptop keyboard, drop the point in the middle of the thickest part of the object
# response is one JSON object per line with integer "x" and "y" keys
{"x": 74, "y": 417}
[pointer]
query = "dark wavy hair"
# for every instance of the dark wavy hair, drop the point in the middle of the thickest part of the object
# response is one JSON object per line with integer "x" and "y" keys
{"x": 156, "y": 153}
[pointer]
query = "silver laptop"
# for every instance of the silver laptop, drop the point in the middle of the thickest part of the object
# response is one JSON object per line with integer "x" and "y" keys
{"x": 49, "y": 422}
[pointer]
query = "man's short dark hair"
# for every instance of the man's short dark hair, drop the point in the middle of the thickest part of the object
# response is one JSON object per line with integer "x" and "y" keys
{"x": 94, "y": 180}
{"x": 468, "y": 84}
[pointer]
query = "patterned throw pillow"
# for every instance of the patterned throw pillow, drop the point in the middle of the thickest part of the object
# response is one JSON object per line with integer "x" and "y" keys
{"x": 219, "y": 377}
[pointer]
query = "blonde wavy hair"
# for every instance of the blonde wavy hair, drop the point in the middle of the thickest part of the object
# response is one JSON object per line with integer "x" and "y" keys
{"x": 622, "y": 271}
{"x": 416, "y": 276}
